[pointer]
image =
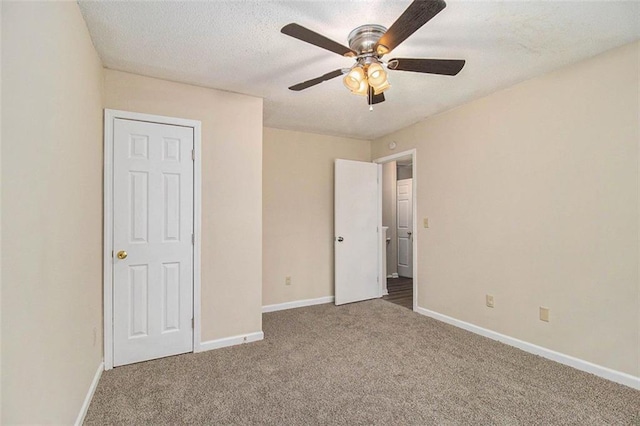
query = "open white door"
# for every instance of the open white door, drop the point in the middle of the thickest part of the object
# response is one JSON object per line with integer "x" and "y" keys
{"x": 356, "y": 231}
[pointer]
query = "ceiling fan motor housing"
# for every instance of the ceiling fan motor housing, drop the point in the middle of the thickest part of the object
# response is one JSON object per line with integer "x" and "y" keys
{"x": 364, "y": 38}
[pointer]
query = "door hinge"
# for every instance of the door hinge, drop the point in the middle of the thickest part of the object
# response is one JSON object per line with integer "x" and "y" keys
{"x": 111, "y": 253}
{"x": 192, "y": 326}
{"x": 193, "y": 155}
{"x": 193, "y": 239}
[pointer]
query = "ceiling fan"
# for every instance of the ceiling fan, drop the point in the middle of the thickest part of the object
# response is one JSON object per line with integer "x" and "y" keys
{"x": 369, "y": 43}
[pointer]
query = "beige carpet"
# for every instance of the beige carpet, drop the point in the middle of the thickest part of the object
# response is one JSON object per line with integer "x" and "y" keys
{"x": 366, "y": 363}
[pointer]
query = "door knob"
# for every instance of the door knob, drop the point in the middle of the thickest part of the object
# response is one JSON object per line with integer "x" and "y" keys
{"x": 340, "y": 239}
{"x": 409, "y": 233}
{"x": 122, "y": 254}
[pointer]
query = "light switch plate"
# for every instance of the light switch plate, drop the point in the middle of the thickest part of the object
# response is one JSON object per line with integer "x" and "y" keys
{"x": 489, "y": 301}
{"x": 426, "y": 222}
{"x": 544, "y": 314}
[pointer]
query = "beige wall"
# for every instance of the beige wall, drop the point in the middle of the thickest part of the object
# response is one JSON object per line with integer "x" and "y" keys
{"x": 389, "y": 179}
{"x": 231, "y": 191}
{"x": 298, "y": 212}
{"x": 51, "y": 212}
{"x": 532, "y": 196}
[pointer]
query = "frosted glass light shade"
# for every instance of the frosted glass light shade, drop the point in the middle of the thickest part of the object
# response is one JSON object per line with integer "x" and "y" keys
{"x": 363, "y": 89}
{"x": 377, "y": 75}
{"x": 354, "y": 78}
{"x": 381, "y": 87}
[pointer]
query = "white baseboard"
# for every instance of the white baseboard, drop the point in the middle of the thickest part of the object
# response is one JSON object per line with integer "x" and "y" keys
{"x": 230, "y": 341}
{"x": 577, "y": 363}
{"x": 297, "y": 304}
{"x": 90, "y": 392}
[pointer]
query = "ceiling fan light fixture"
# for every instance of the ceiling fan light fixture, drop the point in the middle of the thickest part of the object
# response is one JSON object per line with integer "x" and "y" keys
{"x": 363, "y": 89}
{"x": 381, "y": 88}
{"x": 354, "y": 79}
{"x": 376, "y": 74}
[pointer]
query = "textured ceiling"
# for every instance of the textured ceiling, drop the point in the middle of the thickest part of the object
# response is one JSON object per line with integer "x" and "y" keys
{"x": 237, "y": 46}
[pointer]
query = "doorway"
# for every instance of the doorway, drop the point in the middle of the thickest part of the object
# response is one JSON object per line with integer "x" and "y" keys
{"x": 398, "y": 213}
{"x": 152, "y": 227}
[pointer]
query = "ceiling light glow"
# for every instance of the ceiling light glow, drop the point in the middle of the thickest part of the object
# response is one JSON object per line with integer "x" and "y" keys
{"x": 376, "y": 74}
{"x": 354, "y": 79}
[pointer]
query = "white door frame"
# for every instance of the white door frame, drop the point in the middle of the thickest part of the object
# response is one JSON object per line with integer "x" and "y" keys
{"x": 404, "y": 154}
{"x": 110, "y": 115}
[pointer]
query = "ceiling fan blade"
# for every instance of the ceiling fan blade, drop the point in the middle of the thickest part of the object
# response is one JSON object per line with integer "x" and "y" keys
{"x": 417, "y": 14}
{"x": 314, "y": 81}
{"x": 429, "y": 66}
{"x": 376, "y": 99}
{"x": 305, "y": 34}
{"x": 372, "y": 98}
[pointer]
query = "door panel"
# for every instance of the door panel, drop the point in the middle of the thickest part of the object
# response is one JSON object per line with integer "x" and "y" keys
{"x": 171, "y": 297}
{"x": 138, "y": 300}
{"x": 405, "y": 227}
{"x": 153, "y": 224}
{"x": 356, "y": 223}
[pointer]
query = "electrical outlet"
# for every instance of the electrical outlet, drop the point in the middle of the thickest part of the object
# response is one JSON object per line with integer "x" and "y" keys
{"x": 425, "y": 222}
{"x": 489, "y": 300}
{"x": 544, "y": 314}
{"x": 287, "y": 281}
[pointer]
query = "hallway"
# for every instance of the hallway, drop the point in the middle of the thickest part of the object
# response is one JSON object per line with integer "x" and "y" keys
{"x": 400, "y": 291}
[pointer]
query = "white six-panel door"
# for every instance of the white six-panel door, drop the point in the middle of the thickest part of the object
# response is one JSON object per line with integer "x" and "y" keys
{"x": 404, "y": 214}
{"x": 153, "y": 224}
{"x": 356, "y": 231}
